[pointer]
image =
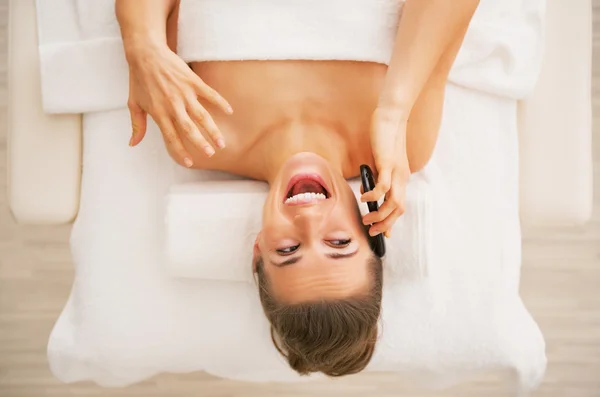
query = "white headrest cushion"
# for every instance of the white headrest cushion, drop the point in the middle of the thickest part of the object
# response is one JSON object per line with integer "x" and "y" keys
{"x": 211, "y": 228}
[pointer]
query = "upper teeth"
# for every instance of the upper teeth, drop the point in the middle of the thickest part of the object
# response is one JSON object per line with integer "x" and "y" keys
{"x": 308, "y": 197}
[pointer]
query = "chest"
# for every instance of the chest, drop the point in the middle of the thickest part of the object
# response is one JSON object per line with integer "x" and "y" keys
{"x": 290, "y": 103}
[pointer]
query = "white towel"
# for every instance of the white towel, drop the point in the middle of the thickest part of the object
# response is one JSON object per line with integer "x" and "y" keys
{"x": 84, "y": 69}
{"x": 127, "y": 320}
{"x": 211, "y": 228}
{"x": 364, "y": 30}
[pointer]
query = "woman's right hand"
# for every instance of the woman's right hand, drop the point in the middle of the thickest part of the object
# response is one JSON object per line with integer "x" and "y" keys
{"x": 388, "y": 142}
{"x": 162, "y": 85}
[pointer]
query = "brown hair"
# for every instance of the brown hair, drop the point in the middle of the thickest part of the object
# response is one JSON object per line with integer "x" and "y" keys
{"x": 335, "y": 337}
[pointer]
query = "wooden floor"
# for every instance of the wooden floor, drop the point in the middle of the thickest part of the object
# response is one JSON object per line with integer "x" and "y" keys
{"x": 560, "y": 284}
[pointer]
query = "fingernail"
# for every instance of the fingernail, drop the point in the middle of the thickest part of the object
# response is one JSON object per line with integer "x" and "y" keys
{"x": 209, "y": 151}
{"x": 188, "y": 162}
{"x": 373, "y": 233}
{"x": 131, "y": 141}
{"x": 229, "y": 109}
{"x": 220, "y": 143}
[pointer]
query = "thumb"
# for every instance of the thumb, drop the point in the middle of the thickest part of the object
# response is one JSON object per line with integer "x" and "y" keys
{"x": 138, "y": 123}
{"x": 384, "y": 179}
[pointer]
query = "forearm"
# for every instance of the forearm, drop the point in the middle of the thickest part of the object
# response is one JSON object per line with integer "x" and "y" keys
{"x": 426, "y": 31}
{"x": 143, "y": 22}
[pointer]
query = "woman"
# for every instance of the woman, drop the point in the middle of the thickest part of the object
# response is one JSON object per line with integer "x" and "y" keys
{"x": 304, "y": 126}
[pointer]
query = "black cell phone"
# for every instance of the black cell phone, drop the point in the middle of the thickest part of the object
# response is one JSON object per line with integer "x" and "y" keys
{"x": 368, "y": 183}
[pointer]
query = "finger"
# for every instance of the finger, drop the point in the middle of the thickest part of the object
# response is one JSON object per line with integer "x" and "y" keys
{"x": 173, "y": 142}
{"x": 138, "y": 123}
{"x": 387, "y": 224}
{"x": 202, "y": 118}
{"x": 381, "y": 188}
{"x": 188, "y": 129}
{"x": 205, "y": 91}
{"x": 382, "y": 213}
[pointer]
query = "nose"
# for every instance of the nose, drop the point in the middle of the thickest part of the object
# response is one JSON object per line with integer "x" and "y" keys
{"x": 308, "y": 221}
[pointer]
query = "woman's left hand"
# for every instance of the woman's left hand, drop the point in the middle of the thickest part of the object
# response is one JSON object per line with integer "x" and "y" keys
{"x": 388, "y": 142}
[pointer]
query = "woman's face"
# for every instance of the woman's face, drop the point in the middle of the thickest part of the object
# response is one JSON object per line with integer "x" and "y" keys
{"x": 312, "y": 242}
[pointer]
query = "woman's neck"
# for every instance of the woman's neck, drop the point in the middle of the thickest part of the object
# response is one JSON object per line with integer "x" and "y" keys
{"x": 281, "y": 142}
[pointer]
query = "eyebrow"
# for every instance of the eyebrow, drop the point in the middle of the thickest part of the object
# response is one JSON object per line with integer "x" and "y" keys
{"x": 296, "y": 259}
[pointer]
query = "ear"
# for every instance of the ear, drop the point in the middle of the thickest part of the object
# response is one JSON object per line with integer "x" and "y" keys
{"x": 255, "y": 252}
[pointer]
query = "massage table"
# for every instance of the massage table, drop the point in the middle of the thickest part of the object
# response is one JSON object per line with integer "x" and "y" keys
{"x": 45, "y": 151}
{"x": 451, "y": 303}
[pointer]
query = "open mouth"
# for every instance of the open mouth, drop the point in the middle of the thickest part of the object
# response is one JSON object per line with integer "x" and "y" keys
{"x": 306, "y": 189}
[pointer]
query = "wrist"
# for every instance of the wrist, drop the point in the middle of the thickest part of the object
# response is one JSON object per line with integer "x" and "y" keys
{"x": 139, "y": 47}
{"x": 392, "y": 113}
{"x": 397, "y": 101}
